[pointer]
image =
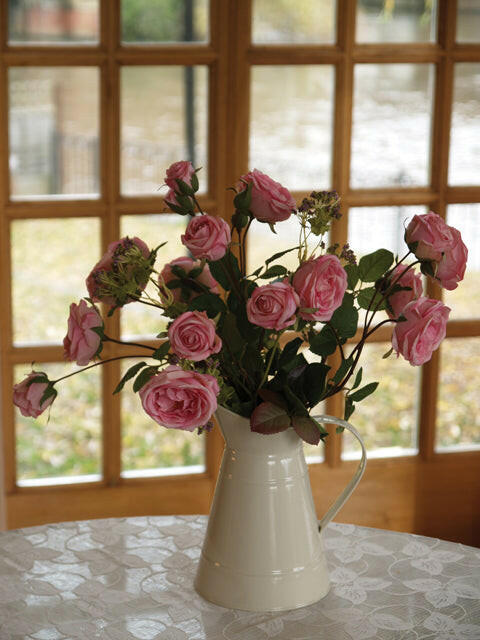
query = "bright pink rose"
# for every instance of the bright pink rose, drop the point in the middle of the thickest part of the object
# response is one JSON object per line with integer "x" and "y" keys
{"x": 111, "y": 263}
{"x": 399, "y": 300}
{"x": 422, "y": 331}
{"x": 81, "y": 343}
{"x": 207, "y": 237}
{"x": 182, "y": 170}
{"x": 270, "y": 201}
{"x": 321, "y": 284}
{"x": 273, "y": 306}
{"x": 432, "y": 234}
{"x": 27, "y": 397}
{"x": 193, "y": 336}
{"x": 179, "y": 399}
{"x": 451, "y": 267}
{"x": 205, "y": 277}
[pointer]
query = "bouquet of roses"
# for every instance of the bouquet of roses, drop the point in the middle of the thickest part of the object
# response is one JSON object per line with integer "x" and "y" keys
{"x": 241, "y": 339}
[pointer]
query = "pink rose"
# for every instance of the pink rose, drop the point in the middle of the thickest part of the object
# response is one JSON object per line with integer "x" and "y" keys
{"x": 207, "y": 237}
{"x": 112, "y": 265}
{"x": 205, "y": 277}
{"x": 81, "y": 343}
{"x": 182, "y": 170}
{"x": 422, "y": 331}
{"x": 193, "y": 336}
{"x": 451, "y": 267}
{"x": 321, "y": 284}
{"x": 273, "y": 306}
{"x": 27, "y": 395}
{"x": 171, "y": 198}
{"x": 179, "y": 399}
{"x": 399, "y": 300}
{"x": 270, "y": 201}
{"x": 432, "y": 234}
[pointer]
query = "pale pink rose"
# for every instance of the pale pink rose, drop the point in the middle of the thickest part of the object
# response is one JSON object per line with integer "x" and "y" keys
{"x": 205, "y": 277}
{"x": 423, "y": 330}
{"x": 182, "y": 170}
{"x": 27, "y": 397}
{"x": 273, "y": 306}
{"x": 207, "y": 237}
{"x": 451, "y": 268}
{"x": 399, "y": 300}
{"x": 321, "y": 284}
{"x": 81, "y": 343}
{"x": 109, "y": 263}
{"x": 179, "y": 399}
{"x": 432, "y": 234}
{"x": 270, "y": 201}
{"x": 171, "y": 198}
{"x": 193, "y": 336}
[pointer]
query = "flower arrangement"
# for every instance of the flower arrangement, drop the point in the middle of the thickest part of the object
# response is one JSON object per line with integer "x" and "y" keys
{"x": 239, "y": 339}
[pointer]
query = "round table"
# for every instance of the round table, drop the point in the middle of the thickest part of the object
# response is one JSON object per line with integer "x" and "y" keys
{"x": 132, "y": 578}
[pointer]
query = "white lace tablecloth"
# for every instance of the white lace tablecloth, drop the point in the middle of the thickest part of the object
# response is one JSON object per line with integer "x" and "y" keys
{"x": 132, "y": 579}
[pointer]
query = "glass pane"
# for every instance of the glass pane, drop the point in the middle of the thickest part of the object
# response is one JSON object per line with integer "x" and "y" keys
{"x": 291, "y": 132}
{"x": 458, "y": 418}
{"x": 53, "y": 129}
{"x": 139, "y": 319}
{"x": 391, "y": 125}
{"x": 147, "y": 447}
{"x": 50, "y": 262}
{"x": 387, "y": 419}
{"x": 464, "y": 300}
{"x": 262, "y": 243}
{"x": 468, "y": 21}
{"x": 412, "y": 21}
{"x": 68, "y": 444}
{"x": 53, "y": 21}
{"x": 164, "y": 119}
{"x": 284, "y": 22}
{"x": 464, "y": 167}
{"x": 154, "y": 21}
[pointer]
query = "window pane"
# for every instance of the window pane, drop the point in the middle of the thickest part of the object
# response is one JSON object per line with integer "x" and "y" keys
{"x": 164, "y": 119}
{"x": 387, "y": 419}
{"x": 458, "y": 419}
{"x": 464, "y": 165}
{"x": 391, "y": 125}
{"x": 69, "y": 443}
{"x": 139, "y": 319}
{"x": 263, "y": 243}
{"x": 396, "y": 21}
{"x": 50, "y": 262}
{"x": 464, "y": 300}
{"x": 53, "y": 21}
{"x": 284, "y": 22}
{"x": 53, "y": 131}
{"x": 291, "y": 132}
{"x": 468, "y": 21}
{"x": 154, "y": 21}
{"x": 147, "y": 447}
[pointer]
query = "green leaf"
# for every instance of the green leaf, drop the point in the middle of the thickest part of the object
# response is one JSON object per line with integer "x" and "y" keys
{"x": 280, "y": 254}
{"x": 256, "y": 272}
{"x": 363, "y": 392}
{"x": 143, "y": 377}
{"x": 324, "y": 343}
{"x": 268, "y": 418}
{"x": 231, "y": 335}
{"x": 374, "y": 265}
{"x": 48, "y": 393}
{"x": 217, "y": 269}
{"x": 243, "y": 198}
{"x": 41, "y": 377}
{"x": 209, "y": 302}
{"x": 289, "y": 352}
{"x": 308, "y": 429}
{"x": 358, "y": 378}
{"x": 162, "y": 351}
{"x": 132, "y": 371}
{"x": 352, "y": 275}
{"x": 428, "y": 268}
{"x": 314, "y": 379}
{"x": 365, "y": 297}
{"x": 184, "y": 188}
{"x": 349, "y": 409}
{"x": 274, "y": 398}
{"x": 387, "y": 354}
{"x": 294, "y": 403}
{"x": 194, "y": 182}
{"x": 276, "y": 270}
{"x": 342, "y": 370}
{"x": 345, "y": 320}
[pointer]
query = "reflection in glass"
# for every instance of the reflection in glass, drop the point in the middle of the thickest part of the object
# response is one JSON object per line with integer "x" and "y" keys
{"x": 464, "y": 167}
{"x": 291, "y": 124}
{"x": 53, "y": 22}
{"x": 50, "y": 261}
{"x": 164, "y": 119}
{"x": 464, "y": 300}
{"x": 156, "y": 21}
{"x": 138, "y": 319}
{"x": 53, "y": 131}
{"x": 468, "y": 21}
{"x": 412, "y": 21}
{"x": 68, "y": 444}
{"x": 303, "y": 21}
{"x": 147, "y": 447}
{"x": 391, "y": 125}
{"x": 458, "y": 419}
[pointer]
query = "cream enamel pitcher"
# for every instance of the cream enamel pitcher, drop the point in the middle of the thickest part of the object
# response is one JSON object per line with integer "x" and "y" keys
{"x": 262, "y": 549}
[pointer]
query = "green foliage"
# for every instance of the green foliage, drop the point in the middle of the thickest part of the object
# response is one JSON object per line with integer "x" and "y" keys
{"x": 144, "y": 377}
{"x": 323, "y": 343}
{"x": 369, "y": 298}
{"x": 128, "y": 375}
{"x": 374, "y": 265}
{"x": 352, "y": 275}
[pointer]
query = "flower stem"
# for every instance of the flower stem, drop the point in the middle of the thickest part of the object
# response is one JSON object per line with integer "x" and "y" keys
{"x": 90, "y": 366}
{"x": 130, "y": 344}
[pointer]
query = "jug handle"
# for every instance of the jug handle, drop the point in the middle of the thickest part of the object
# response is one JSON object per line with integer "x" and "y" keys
{"x": 349, "y": 489}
